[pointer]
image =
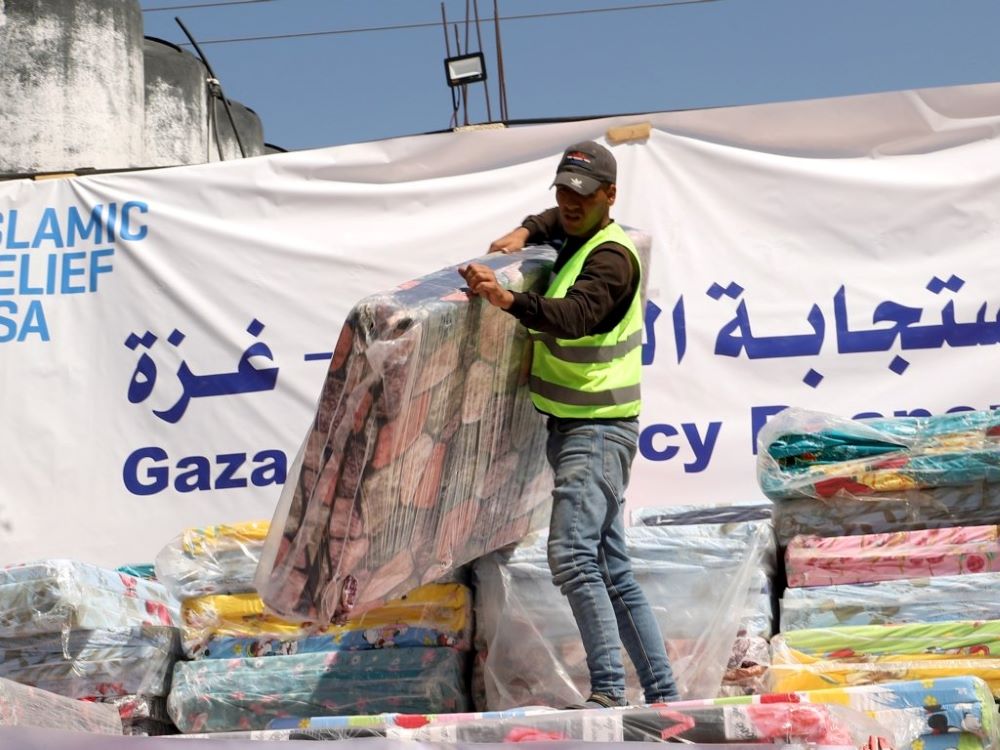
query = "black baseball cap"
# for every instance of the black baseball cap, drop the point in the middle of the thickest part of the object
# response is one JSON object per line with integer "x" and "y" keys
{"x": 585, "y": 167}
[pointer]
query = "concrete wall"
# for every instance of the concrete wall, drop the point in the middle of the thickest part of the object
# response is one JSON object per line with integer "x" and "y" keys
{"x": 176, "y": 127}
{"x": 81, "y": 87}
{"x": 71, "y": 85}
{"x": 247, "y": 124}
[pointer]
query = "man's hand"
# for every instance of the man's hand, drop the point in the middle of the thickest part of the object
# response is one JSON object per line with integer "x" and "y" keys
{"x": 510, "y": 242}
{"x": 483, "y": 283}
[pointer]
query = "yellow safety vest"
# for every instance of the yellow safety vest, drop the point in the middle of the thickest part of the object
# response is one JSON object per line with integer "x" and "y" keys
{"x": 594, "y": 376}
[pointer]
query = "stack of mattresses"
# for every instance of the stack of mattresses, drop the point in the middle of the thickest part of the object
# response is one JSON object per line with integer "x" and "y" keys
{"x": 835, "y": 582}
{"x": 88, "y": 633}
{"x": 528, "y": 646}
{"x": 25, "y": 706}
{"x": 251, "y": 666}
{"x": 750, "y": 657}
{"x": 881, "y": 519}
{"x": 934, "y": 714}
{"x": 831, "y": 476}
{"x": 867, "y": 654}
{"x": 425, "y": 452}
{"x": 709, "y": 725}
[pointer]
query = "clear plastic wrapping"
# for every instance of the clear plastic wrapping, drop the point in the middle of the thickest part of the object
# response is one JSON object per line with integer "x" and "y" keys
{"x": 869, "y": 654}
{"x": 425, "y": 452}
{"x": 975, "y": 596}
{"x": 233, "y": 626}
{"x": 55, "y": 596}
{"x": 924, "y": 709}
{"x": 914, "y": 714}
{"x": 142, "y": 714}
{"x": 881, "y": 513}
{"x": 687, "y": 543}
{"x": 92, "y": 663}
{"x": 212, "y": 560}
{"x": 746, "y": 671}
{"x": 528, "y": 644}
{"x": 709, "y": 724}
{"x": 826, "y": 561}
{"x": 685, "y": 515}
{"x": 219, "y": 695}
{"x": 25, "y": 706}
{"x": 830, "y": 475}
{"x": 146, "y": 571}
{"x": 773, "y": 723}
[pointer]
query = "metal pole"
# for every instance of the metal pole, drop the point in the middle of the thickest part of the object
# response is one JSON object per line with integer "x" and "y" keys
{"x": 465, "y": 91}
{"x": 500, "y": 73}
{"x": 479, "y": 36}
{"x": 447, "y": 50}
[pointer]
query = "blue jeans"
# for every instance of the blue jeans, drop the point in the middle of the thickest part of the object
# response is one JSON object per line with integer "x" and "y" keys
{"x": 589, "y": 560}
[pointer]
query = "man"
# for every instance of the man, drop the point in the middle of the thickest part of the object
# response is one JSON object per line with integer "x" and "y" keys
{"x": 586, "y": 367}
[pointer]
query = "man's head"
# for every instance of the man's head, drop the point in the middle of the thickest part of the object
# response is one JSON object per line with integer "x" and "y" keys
{"x": 585, "y": 187}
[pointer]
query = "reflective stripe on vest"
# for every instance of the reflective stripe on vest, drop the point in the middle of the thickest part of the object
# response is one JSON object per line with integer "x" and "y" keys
{"x": 585, "y": 354}
{"x": 595, "y": 376}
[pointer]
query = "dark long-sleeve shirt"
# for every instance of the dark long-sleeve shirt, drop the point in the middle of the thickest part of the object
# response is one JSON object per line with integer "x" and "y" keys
{"x": 598, "y": 299}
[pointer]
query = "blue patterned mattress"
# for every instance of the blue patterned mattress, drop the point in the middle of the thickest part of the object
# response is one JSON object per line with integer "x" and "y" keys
{"x": 218, "y": 695}
{"x": 56, "y": 595}
{"x": 93, "y": 663}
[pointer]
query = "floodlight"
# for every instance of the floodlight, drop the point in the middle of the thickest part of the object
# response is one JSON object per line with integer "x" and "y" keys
{"x": 465, "y": 69}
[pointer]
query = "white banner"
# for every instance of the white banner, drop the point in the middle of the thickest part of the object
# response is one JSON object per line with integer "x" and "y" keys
{"x": 164, "y": 334}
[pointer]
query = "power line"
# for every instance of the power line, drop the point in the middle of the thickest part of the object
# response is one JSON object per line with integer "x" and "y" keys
{"x": 398, "y": 27}
{"x": 203, "y": 5}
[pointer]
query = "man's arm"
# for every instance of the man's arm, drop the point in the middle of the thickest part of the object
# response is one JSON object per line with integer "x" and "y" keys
{"x": 594, "y": 304}
{"x": 535, "y": 229}
{"x": 606, "y": 282}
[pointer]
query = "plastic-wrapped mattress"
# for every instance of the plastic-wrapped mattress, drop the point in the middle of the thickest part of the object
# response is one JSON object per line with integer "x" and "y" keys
{"x": 233, "y": 626}
{"x": 831, "y": 476}
{"x": 919, "y": 714}
{"x": 54, "y": 596}
{"x": 93, "y": 663}
{"x": 757, "y": 723}
{"x": 218, "y": 695}
{"x": 975, "y": 596}
{"x": 827, "y": 561}
{"x": 871, "y": 654}
{"x": 218, "y": 559}
{"x": 528, "y": 644}
{"x": 425, "y": 452}
{"x": 25, "y": 706}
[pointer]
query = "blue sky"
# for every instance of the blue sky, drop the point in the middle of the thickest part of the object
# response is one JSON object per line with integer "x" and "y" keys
{"x": 322, "y": 90}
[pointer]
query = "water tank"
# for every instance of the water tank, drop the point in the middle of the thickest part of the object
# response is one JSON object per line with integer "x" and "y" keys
{"x": 176, "y": 127}
{"x": 248, "y": 125}
{"x": 71, "y": 85}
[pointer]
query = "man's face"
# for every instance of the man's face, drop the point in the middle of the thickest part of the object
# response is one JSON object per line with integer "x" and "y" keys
{"x": 581, "y": 214}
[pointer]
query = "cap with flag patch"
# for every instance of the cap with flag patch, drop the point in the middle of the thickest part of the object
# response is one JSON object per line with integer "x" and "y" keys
{"x": 585, "y": 167}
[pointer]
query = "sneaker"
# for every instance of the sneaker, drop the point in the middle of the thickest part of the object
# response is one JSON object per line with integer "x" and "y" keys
{"x": 599, "y": 700}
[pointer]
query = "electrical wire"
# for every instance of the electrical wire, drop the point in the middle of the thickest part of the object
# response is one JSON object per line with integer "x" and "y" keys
{"x": 422, "y": 25}
{"x": 203, "y": 5}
